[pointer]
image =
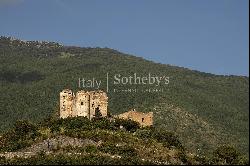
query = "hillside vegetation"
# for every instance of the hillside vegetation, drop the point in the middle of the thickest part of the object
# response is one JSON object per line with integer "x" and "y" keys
{"x": 204, "y": 110}
{"x": 101, "y": 141}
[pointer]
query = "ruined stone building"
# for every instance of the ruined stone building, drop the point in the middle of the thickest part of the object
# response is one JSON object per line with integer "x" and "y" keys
{"x": 144, "y": 119}
{"x": 87, "y": 103}
{"x": 83, "y": 103}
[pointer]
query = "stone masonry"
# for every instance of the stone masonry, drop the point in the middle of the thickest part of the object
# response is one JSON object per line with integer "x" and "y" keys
{"x": 144, "y": 119}
{"x": 84, "y": 103}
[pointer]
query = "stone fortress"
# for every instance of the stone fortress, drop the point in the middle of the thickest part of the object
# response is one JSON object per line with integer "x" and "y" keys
{"x": 87, "y": 103}
{"x": 83, "y": 103}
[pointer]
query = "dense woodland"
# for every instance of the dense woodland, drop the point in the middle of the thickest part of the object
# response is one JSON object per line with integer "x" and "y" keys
{"x": 205, "y": 110}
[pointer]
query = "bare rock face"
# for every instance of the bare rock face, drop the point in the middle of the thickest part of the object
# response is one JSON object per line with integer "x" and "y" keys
{"x": 84, "y": 103}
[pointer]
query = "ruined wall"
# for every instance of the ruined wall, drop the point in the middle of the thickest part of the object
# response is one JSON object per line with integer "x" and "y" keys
{"x": 84, "y": 103}
{"x": 144, "y": 119}
{"x": 81, "y": 104}
{"x": 98, "y": 100}
{"x": 66, "y": 103}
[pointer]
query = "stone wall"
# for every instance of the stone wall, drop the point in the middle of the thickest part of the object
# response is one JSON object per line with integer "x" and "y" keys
{"x": 84, "y": 103}
{"x": 66, "y": 103}
{"x": 81, "y": 104}
{"x": 98, "y": 100}
{"x": 144, "y": 119}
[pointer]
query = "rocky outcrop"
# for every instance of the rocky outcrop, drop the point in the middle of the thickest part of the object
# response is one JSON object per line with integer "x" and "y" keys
{"x": 49, "y": 145}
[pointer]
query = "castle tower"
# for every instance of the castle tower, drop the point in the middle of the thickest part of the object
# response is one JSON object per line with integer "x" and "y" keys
{"x": 98, "y": 101}
{"x": 66, "y": 103}
{"x": 81, "y": 104}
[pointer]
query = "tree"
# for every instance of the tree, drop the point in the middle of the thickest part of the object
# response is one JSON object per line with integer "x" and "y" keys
{"x": 98, "y": 113}
{"x": 24, "y": 127}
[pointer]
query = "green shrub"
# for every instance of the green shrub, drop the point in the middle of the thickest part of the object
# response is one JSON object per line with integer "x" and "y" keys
{"x": 70, "y": 123}
{"x": 78, "y": 123}
{"x": 91, "y": 149}
{"x": 62, "y": 159}
{"x": 23, "y": 134}
{"x": 102, "y": 123}
{"x": 168, "y": 139}
{"x": 202, "y": 160}
{"x": 182, "y": 156}
{"x": 129, "y": 125}
{"x": 111, "y": 148}
{"x": 226, "y": 154}
{"x": 144, "y": 133}
{"x": 2, "y": 160}
{"x": 23, "y": 128}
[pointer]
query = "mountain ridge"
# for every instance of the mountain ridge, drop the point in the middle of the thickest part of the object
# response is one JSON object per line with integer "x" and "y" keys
{"x": 111, "y": 49}
{"x": 31, "y": 76}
